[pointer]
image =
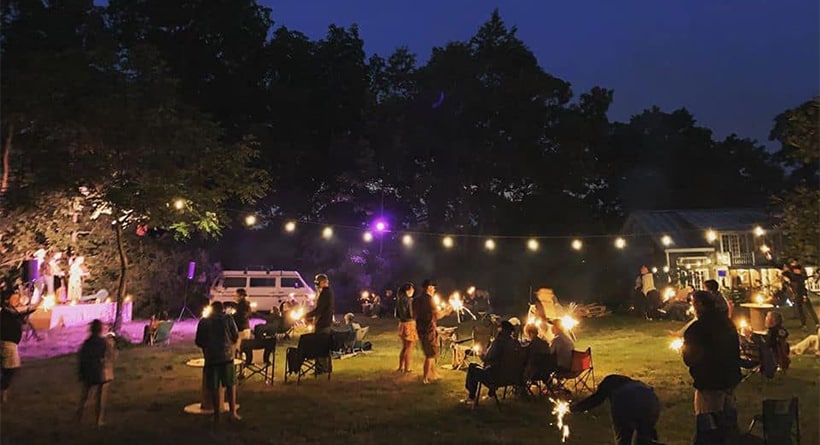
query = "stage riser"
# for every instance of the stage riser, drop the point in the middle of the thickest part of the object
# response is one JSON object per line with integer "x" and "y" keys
{"x": 64, "y": 315}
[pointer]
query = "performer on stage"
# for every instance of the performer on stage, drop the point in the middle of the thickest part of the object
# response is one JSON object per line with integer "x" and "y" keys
{"x": 75, "y": 279}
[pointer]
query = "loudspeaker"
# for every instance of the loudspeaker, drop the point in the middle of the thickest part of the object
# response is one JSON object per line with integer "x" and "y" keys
{"x": 31, "y": 270}
{"x": 191, "y": 270}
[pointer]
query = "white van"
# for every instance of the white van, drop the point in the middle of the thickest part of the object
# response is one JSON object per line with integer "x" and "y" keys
{"x": 265, "y": 288}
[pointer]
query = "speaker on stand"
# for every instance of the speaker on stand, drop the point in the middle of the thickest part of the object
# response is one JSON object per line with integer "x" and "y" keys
{"x": 189, "y": 277}
{"x": 30, "y": 273}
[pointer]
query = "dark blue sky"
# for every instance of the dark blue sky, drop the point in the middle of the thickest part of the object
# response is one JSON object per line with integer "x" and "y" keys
{"x": 734, "y": 64}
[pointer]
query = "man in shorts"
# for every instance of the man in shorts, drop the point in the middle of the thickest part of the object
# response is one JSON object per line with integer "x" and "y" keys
{"x": 217, "y": 335}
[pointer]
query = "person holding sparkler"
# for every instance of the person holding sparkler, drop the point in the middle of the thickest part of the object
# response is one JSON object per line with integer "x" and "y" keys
{"x": 634, "y": 408}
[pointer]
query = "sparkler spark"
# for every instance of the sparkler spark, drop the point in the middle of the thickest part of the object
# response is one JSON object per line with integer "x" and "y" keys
{"x": 560, "y": 408}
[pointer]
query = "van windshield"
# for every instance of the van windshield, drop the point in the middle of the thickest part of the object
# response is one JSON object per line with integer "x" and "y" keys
{"x": 291, "y": 282}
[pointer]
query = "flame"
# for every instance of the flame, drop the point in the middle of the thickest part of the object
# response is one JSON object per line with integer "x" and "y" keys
{"x": 455, "y": 301}
{"x": 310, "y": 328}
{"x": 206, "y": 311}
{"x": 560, "y": 408}
{"x": 676, "y": 345}
{"x": 743, "y": 324}
{"x": 470, "y": 290}
{"x": 759, "y": 299}
{"x": 568, "y": 322}
{"x": 436, "y": 299}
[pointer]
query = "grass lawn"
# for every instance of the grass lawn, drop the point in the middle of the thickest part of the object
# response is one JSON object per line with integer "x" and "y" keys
{"x": 367, "y": 403}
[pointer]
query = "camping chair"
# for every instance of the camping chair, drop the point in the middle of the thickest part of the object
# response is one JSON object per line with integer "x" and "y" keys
{"x": 163, "y": 333}
{"x": 582, "y": 373}
{"x": 461, "y": 342}
{"x": 781, "y": 422}
{"x": 260, "y": 358}
{"x": 511, "y": 374}
{"x": 358, "y": 339}
{"x": 308, "y": 355}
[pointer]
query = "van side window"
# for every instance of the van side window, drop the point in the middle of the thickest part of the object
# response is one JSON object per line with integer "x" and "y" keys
{"x": 263, "y": 282}
{"x": 234, "y": 282}
{"x": 291, "y": 282}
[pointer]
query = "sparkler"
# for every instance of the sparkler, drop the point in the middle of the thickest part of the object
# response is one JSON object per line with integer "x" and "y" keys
{"x": 759, "y": 299}
{"x": 668, "y": 294}
{"x": 560, "y": 408}
{"x": 296, "y": 314}
{"x": 568, "y": 322}
{"x": 676, "y": 345}
{"x": 458, "y": 305}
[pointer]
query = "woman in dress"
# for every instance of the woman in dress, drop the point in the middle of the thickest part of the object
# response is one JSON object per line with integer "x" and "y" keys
{"x": 407, "y": 325}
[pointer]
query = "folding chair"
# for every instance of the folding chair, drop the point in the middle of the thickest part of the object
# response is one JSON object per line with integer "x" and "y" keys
{"x": 260, "y": 359}
{"x": 581, "y": 373}
{"x": 511, "y": 374}
{"x": 163, "y": 333}
{"x": 312, "y": 350}
{"x": 461, "y": 341}
{"x": 781, "y": 422}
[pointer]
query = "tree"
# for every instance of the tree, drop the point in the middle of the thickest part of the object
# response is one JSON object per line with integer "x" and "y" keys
{"x": 797, "y": 131}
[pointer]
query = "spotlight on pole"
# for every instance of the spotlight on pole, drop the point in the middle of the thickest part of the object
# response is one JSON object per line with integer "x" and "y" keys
{"x": 489, "y": 244}
{"x": 407, "y": 240}
{"x": 620, "y": 243}
{"x": 250, "y": 220}
{"x": 532, "y": 244}
{"x": 577, "y": 244}
{"x": 290, "y": 226}
{"x": 448, "y": 242}
{"x": 327, "y": 233}
{"x": 367, "y": 237}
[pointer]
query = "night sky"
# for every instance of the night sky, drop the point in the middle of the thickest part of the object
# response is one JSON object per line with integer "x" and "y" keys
{"x": 733, "y": 64}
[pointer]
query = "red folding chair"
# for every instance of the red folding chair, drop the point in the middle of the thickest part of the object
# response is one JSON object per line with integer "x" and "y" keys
{"x": 582, "y": 373}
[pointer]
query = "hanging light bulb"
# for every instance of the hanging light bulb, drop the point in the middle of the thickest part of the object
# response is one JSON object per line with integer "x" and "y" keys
{"x": 250, "y": 220}
{"x": 448, "y": 242}
{"x": 327, "y": 233}
{"x": 532, "y": 244}
{"x": 407, "y": 240}
{"x": 666, "y": 240}
{"x": 489, "y": 244}
{"x": 577, "y": 244}
{"x": 711, "y": 235}
{"x": 620, "y": 243}
{"x": 290, "y": 226}
{"x": 759, "y": 231}
{"x": 367, "y": 237}
{"x": 179, "y": 204}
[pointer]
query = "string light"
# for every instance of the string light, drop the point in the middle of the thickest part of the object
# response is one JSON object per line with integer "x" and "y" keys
{"x": 179, "y": 204}
{"x": 489, "y": 244}
{"x": 250, "y": 220}
{"x": 665, "y": 269}
{"x": 407, "y": 240}
{"x": 290, "y": 226}
{"x": 620, "y": 243}
{"x": 654, "y": 270}
{"x": 759, "y": 231}
{"x": 577, "y": 244}
{"x": 711, "y": 235}
{"x": 447, "y": 242}
{"x": 367, "y": 237}
{"x": 666, "y": 240}
{"x": 532, "y": 244}
{"x": 327, "y": 233}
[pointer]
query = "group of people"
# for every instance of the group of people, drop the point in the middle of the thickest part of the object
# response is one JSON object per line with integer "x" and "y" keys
{"x": 58, "y": 275}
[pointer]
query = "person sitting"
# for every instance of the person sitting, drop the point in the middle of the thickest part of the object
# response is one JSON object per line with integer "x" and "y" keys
{"x": 539, "y": 360}
{"x": 775, "y": 339}
{"x": 502, "y": 352}
{"x": 274, "y": 324}
{"x": 150, "y": 329}
{"x": 634, "y": 408}
{"x": 561, "y": 346}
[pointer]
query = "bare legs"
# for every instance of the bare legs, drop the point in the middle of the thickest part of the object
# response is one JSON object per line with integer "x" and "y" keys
{"x": 430, "y": 374}
{"x": 102, "y": 392}
{"x": 404, "y": 356}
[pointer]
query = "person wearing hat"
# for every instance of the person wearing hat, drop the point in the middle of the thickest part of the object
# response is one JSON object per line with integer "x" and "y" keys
{"x": 504, "y": 350}
{"x": 426, "y": 314}
{"x": 323, "y": 312}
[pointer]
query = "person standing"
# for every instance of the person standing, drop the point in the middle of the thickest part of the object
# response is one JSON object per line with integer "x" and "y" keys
{"x": 97, "y": 355}
{"x": 711, "y": 350}
{"x": 407, "y": 325}
{"x": 426, "y": 314}
{"x": 217, "y": 336}
{"x": 634, "y": 408}
{"x": 12, "y": 319}
{"x": 722, "y": 305}
{"x": 242, "y": 316}
{"x": 323, "y": 312}
{"x": 653, "y": 297}
{"x": 797, "y": 285}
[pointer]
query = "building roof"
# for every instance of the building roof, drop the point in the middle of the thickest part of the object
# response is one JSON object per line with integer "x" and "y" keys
{"x": 687, "y": 227}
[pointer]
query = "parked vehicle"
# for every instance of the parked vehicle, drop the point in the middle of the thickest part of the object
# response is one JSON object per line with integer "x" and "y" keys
{"x": 266, "y": 288}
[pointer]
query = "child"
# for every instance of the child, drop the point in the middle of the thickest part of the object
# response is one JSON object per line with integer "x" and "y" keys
{"x": 776, "y": 336}
{"x": 96, "y": 368}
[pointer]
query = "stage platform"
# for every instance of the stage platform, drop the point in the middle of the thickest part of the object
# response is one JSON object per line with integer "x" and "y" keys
{"x": 63, "y": 315}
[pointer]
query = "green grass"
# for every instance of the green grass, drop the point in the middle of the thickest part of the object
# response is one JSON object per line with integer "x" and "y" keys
{"x": 366, "y": 403}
